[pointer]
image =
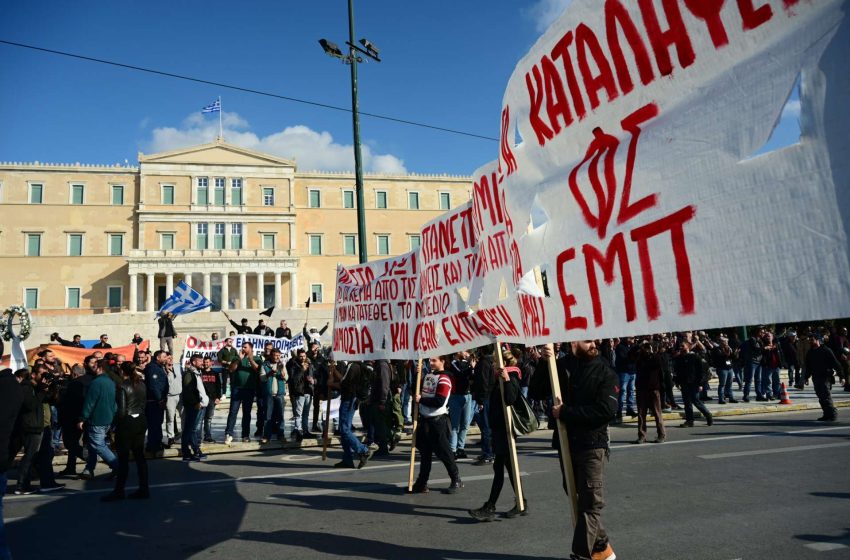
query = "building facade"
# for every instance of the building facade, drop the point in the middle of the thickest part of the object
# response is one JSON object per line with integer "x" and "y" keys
{"x": 246, "y": 229}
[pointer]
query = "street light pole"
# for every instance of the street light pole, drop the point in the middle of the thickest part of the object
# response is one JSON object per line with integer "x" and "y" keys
{"x": 358, "y": 161}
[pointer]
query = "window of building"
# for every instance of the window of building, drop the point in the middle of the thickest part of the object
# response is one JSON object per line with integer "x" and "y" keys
{"x": 383, "y": 244}
{"x": 36, "y": 193}
{"x": 315, "y": 198}
{"x": 316, "y": 293}
{"x": 381, "y": 199}
{"x": 118, "y": 195}
{"x": 445, "y": 201}
{"x": 168, "y": 194}
{"x": 218, "y": 240}
{"x": 415, "y": 241}
{"x": 268, "y": 241}
{"x": 413, "y": 200}
{"x": 268, "y": 196}
{"x": 31, "y": 298}
{"x": 72, "y": 299}
{"x": 114, "y": 296}
{"x": 202, "y": 236}
{"x": 349, "y": 244}
{"x": 348, "y": 199}
{"x": 77, "y": 194}
{"x": 218, "y": 194}
{"x": 166, "y": 241}
{"x": 75, "y": 245}
{"x": 315, "y": 244}
{"x": 203, "y": 190}
{"x": 116, "y": 244}
{"x": 236, "y": 192}
{"x": 33, "y": 244}
{"x": 235, "y": 236}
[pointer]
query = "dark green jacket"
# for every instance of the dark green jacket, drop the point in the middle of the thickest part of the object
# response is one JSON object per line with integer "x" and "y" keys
{"x": 99, "y": 407}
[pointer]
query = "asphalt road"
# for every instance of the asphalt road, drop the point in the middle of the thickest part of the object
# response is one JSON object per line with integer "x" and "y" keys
{"x": 751, "y": 487}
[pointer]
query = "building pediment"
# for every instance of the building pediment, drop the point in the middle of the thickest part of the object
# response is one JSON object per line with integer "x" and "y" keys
{"x": 216, "y": 153}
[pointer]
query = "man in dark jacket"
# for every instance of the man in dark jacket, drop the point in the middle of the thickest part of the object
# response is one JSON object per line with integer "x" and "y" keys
{"x": 625, "y": 366}
{"x": 70, "y": 409}
{"x": 648, "y": 385}
{"x": 97, "y": 416}
{"x": 11, "y": 399}
{"x": 212, "y": 386}
{"x": 820, "y": 365}
{"x": 589, "y": 388}
{"x": 750, "y": 353}
{"x": 75, "y": 343}
{"x": 262, "y": 330}
{"x": 346, "y": 378}
{"x": 29, "y": 428}
{"x": 242, "y": 328}
{"x": 483, "y": 376}
{"x": 193, "y": 404}
{"x": 283, "y": 331}
{"x": 689, "y": 376}
{"x": 378, "y": 406}
{"x": 156, "y": 390}
{"x": 460, "y": 402}
{"x": 104, "y": 343}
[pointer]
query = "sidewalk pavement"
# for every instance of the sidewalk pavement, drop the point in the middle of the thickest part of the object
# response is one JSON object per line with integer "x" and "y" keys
{"x": 804, "y": 399}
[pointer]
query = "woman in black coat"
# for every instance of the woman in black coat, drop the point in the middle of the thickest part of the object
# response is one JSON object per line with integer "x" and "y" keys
{"x": 130, "y": 427}
{"x": 510, "y": 377}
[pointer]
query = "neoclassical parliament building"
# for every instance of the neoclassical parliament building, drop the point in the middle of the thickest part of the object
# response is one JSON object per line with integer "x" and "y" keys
{"x": 246, "y": 229}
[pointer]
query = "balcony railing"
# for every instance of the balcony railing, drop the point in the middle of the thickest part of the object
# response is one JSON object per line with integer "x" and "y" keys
{"x": 208, "y": 253}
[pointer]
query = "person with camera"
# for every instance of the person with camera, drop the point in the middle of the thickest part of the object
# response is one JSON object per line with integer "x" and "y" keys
{"x": 273, "y": 376}
{"x": 721, "y": 359}
{"x": 243, "y": 382}
{"x": 74, "y": 343}
{"x": 212, "y": 386}
{"x": 301, "y": 383}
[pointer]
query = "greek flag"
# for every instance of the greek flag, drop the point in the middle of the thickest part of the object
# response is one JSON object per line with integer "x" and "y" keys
{"x": 184, "y": 300}
{"x": 214, "y": 107}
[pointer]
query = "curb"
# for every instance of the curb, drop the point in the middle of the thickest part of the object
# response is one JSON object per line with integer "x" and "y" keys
{"x": 274, "y": 445}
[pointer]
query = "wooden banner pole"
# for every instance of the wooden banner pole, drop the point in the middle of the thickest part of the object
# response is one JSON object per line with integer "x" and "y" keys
{"x": 509, "y": 426}
{"x": 415, "y": 416}
{"x": 326, "y": 432}
{"x": 566, "y": 458}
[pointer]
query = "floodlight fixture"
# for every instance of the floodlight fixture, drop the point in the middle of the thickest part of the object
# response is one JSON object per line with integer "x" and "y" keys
{"x": 331, "y": 49}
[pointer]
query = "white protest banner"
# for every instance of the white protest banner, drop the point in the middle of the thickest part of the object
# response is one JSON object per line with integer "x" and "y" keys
{"x": 638, "y": 191}
{"x": 210, "y": 348}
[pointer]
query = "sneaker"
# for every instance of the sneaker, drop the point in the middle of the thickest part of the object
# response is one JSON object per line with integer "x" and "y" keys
{"x": 606, "y": 554}
{"x": 659, "y": 440}
{"x": 460, "y": 454}
{"x": 420, "y": 488}
{"x": 190, "y": 459}
{"x": 666, "y": 410}
{"x": 264, "y": 441}
{"x": 364, "y": 458}
{"x": 112, "y": 497}
{"x": 246, "y": 440}
{"x": 140, "y": 495}
{"x": 25, "y": 491}
{"x": 344, "y": 465}
{"x": 454, "y": 487}
{"x": 686, "y": 425}
{"x": 86, "y": 475}
{"x": 483, "y": 460}
{"x": 487, "y": 512}
{"x": 228, "y": 439}
{"x": 51, "y": 488}
{"x": 515, "y": 511}
{"x": 200, "y": 455}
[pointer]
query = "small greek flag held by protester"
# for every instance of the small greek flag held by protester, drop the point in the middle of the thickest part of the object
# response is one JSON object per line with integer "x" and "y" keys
{"x": 214, "y": 107}
{"x": 184, "y": 300}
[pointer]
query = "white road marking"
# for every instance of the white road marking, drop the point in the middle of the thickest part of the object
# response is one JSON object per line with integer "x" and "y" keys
{"x": 704, "y": 439}
{"x": 775, "y": 450}
{"x": 825, "y": 546}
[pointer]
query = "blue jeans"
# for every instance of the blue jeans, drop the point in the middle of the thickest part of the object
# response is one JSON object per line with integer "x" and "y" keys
{"x": 97, "y": 446}
{"x": 5, "y": 553}
{"x": 482, "y": 419}
{"x": 724, "y": 384}
{"x": 301, "y": 406}
{"x": 154, "y": 414}
{"x": 275, "y": 416}
{"x": 190, "y": 442}
{"x": 627, "y": 393}
{"x": 460, "y": 414}
{"x": 350, "y": 444}
{"x": 752, "y": 375}
{"x": 244, "y": 398}
{"x": 770, "y": 382}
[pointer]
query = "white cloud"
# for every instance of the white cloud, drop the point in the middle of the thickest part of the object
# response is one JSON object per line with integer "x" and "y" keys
{"x": 311, "y": 149}
{"x": 791, "y": 109}
{"x": 544, "y": 12}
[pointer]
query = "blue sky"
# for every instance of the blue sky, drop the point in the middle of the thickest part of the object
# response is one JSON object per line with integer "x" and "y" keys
{"x": 445, "y": 63}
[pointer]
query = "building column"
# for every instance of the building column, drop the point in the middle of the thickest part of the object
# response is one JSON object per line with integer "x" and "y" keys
{"x": 225, "y": 291}
{"x": 243, "y": 290}
{"x": 134, "y": 292}
{"x": 187, "y": 277}
{"x": 278, "y": 300}
{"x": 169, "y": 284}
{"x": 260, "y": 276}
{"x": 149, "y": 301}
{"x": 293, "y": 290}
{"x": 207, "y": 288}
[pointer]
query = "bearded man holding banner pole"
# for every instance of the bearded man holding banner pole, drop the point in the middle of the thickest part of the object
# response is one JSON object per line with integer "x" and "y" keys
{"x": 589, "y": 404}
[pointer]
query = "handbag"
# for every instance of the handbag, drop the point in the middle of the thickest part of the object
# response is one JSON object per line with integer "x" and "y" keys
{"x": 524, "y": 419}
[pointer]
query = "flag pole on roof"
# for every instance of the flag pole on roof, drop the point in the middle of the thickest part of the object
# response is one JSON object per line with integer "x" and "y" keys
{"x": 215, "y": 107}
